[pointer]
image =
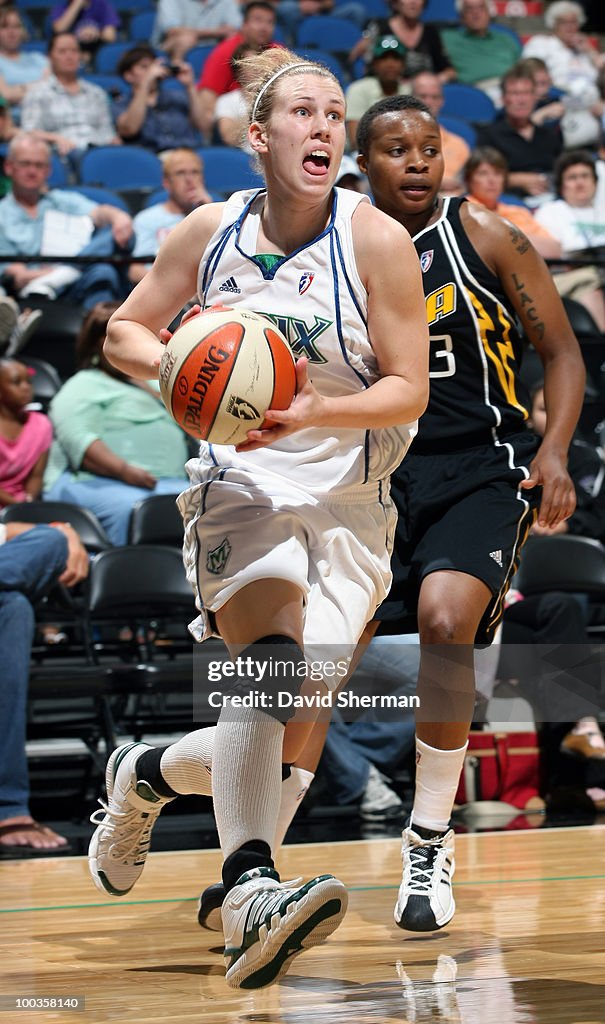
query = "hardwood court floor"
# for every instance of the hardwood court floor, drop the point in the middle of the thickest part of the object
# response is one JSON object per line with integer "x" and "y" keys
{"x": 527, "y": 943}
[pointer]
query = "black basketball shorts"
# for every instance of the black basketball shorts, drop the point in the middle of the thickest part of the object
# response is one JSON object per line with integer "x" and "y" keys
{"x": 461, "y": 511}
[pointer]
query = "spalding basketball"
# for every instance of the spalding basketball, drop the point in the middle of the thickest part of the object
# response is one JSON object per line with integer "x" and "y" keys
{"x": 222, "y": 370}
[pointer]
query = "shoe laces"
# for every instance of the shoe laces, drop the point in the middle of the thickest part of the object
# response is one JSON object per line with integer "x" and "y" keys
{"x": 132, "y": 829}
{"x": 422, "y": 859}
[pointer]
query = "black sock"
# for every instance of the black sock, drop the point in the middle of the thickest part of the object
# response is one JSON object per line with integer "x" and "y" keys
{"x": 254, "y": 854}
{"x": 427, "y": 833}
{"x": 148, "y": 770}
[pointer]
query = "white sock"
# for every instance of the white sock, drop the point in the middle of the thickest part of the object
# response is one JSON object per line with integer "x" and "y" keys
{"x": 437, "y": 776}
{"x": 246, "y": 778}
{"x": 187, "y": 765}
{"x": 293, "y": 790}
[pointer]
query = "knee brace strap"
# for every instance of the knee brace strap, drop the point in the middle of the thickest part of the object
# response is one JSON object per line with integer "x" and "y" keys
{"x": 274, "y": 669}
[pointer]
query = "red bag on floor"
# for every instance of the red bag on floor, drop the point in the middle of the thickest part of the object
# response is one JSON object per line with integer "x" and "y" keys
{"x": 502, "y": 766}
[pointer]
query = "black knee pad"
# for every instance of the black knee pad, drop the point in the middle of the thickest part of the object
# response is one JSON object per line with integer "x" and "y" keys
{"x": 273, "y": 669}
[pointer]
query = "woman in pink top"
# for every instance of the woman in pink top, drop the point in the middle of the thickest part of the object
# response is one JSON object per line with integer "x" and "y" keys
{"x": 485, "y": 175}
{"x": 25, "y": 437}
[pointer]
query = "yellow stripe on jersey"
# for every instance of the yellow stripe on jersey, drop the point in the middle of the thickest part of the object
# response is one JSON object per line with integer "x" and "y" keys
{"x": 504, "y": 350}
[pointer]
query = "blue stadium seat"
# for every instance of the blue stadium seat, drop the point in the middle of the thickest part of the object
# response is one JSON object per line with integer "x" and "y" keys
{"x": 327, "y": 32}
{"x": 227, "y": 170}
{"x": 377, "y": 8}
{"x": 467, "y": 102}
{"x": 112, "y": 84}
{"x": 197, "y": 58}
{"x": 440, "y": 10}
{"x": 58, "y": 172}
{"x": 35, "y": 46}
{"x": 108, "y": 55}
{"x": 460, "y": 127}
{"x": 101, "y": 195}
{"x": 121, "y": 167}
{"x": 330, "y": 61}
{"x": 140, "y": 26}
{"x": 512, "y": 200}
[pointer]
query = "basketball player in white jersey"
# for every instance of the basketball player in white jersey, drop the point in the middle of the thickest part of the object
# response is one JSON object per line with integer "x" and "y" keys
{"x": 288, "y": 536}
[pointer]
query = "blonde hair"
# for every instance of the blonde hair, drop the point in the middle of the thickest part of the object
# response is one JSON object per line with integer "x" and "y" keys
{"x": 266, "y": 69}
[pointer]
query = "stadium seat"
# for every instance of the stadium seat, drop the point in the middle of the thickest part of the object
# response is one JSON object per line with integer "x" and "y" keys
{"x": 112, "y": 84}
{"x": 45, "y": 380}
{"x": 156, "y": 520}
{"x": 227, "y": 170}
{"x": 377, "y": 8}
{"x": 101, "y": 195}
{"x": 121, "y": 167}
{"x": 58, "y": 177}
{"x": 327, "y": 32}
{"x": 197, "y": 57}
{"x": 140, "y": 26}
{"x": 329, "y": 59}
{"x": 440, "y": 10}
{"x": 467, "y": 102}
{"x": 460, "y": 127}
{"x": 108, "y": 55}
{"x": 84, "y": 522}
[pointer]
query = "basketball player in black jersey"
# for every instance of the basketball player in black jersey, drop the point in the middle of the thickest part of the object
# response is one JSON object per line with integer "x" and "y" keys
{"x": 476, "y": 478}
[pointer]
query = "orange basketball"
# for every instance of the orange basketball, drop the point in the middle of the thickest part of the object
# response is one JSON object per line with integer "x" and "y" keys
{"x": 222, "y": 370}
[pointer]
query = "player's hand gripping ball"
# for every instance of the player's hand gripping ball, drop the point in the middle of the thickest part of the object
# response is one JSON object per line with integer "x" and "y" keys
{"x": 222, "y": 370}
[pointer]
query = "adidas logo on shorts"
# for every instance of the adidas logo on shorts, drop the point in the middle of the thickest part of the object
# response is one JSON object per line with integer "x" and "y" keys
{"x": 497, "y": 557}
{"x": 230, "y": 285}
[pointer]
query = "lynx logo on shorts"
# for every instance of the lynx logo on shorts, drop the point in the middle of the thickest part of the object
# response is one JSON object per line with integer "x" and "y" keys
{"x": 217, "y": 559}
{"x": 426, "y": 260}
{"x": 306, "y": 280}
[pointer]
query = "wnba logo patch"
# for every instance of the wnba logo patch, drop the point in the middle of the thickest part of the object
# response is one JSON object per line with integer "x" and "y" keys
{"x": 426, "y": 260}
{"x": 306, "y": 280}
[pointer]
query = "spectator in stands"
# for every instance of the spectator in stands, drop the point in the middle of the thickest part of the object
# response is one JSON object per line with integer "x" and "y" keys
{"x": 153, "y": 115}
{"x": 530, "y": 150}
{"x": 291, "y": 13}
{"x": 349, "y": 175}
{"x": 183, "y": 179}
{"x": 115, "y": 443}
{"x": 572, "y": 61}
{"x": 577, "y": 220}
{"x": 421, "y": 40}
{"x": 8, "y": 128}
{"x": 231, "y": 110}
{"x": 64, "y": 109}
{"x": 32, "y": 559}
{"x": 25, "y": 436}
{"x": 29, "y": 226}
{"x": 181, "y": 24}
{"x": 485, "y": 174}
{"x": 386, "y": 78}
{"x": 17, "y": 69}
{"x": 455, "y": 149}
{"x": 549, "y": 108}
{"x": 479, "y": 53}
{"x": 92, "y": 22}
{"x": 217, "y": 77}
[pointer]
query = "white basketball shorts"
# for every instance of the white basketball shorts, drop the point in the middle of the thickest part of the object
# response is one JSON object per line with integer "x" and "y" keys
{"x": 239, "y": 529}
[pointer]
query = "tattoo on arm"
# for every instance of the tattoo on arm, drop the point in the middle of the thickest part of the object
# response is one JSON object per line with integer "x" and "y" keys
{"x": 529, "y": 310}
{"x": 520, "y": 242}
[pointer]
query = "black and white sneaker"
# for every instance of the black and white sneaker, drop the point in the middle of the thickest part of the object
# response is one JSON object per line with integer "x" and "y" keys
{"x": 426, "y": 901}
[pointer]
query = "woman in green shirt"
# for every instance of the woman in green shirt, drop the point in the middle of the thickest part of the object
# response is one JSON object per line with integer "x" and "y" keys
{"x": 115, "y": 443}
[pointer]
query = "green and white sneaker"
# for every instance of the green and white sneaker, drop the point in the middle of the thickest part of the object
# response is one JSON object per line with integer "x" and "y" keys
{"x": 120, "y": 844}
{"x": 267, "y": 923}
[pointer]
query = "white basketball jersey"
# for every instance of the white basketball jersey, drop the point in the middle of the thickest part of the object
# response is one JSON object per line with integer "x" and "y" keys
{"x": 317, "y": 300}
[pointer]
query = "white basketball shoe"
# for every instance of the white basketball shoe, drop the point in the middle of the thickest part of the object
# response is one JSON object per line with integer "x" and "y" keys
{"x": 426, "y": 901}
{"x": 120, "y": 844}
{"x": 267, "y": 923}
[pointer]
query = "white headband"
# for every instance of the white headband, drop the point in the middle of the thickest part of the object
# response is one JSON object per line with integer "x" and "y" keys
{"x": 270, "y": 81}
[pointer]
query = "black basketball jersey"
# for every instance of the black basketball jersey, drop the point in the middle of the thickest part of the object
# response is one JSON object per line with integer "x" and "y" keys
{"x": 475, "y": 392}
